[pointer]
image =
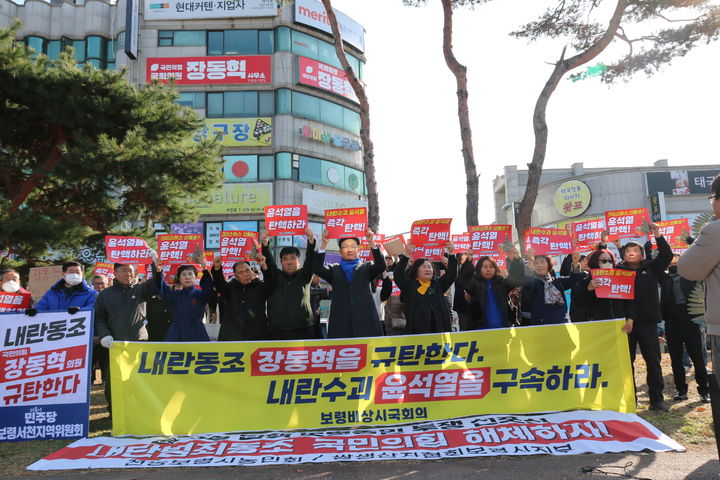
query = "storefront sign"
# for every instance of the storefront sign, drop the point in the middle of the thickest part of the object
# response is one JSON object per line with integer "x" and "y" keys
{"x": 572, "y": 198}
{"x": 680, "y": 182}
{"x": 234, "y": 198}
{"x": 317, "y": 201}
{"x": 329, "y": 137}
{"x": 237, "y": 132}
{"x": 195, "y": 10}
{"x": 251, "y": 69}
{"x": 325, "y": 77}
{"x": 312, "y": 13}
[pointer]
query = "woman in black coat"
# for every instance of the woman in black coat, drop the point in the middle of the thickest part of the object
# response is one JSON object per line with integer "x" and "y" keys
{"x": 426, "y": 310}
{"x": 604, "y": 308}
{"x": 488, "y": 292}
{"x": 352, "y": 311}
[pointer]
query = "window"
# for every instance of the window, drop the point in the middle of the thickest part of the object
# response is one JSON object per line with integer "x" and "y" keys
{"x": 53, "y": 49}
{"x": 36, "y": 43}
{"x": 308, "y": 46}
{"x": 94, "y": 49}
{"x": 194, "y": 100}
{"x": 79, "y": 46}
{"x": 240, "y": 42}
{"x": 241, "y": 168}
{"x": 181, "y": 38}
{"x": 239, "y": 104}
{"x": 283, "y": 166}
{"x": 313, "y": 108}
{"x": 320, "y": 172}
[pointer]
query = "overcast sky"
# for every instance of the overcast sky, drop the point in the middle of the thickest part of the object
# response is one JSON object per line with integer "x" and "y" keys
{"x": 672, "y": 115}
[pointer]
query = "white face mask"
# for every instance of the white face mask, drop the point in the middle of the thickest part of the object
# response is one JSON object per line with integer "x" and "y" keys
{"x": 73, "y": 278}
{"x": 11, "y": 286}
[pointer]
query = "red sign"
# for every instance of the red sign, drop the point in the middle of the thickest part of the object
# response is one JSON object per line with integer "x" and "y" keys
{"x": 105, "y": 268}
{"x": 286, "y": 220}
{"x": 308, "y": 359}
{"x": 12, "y": 302}
{"x": 488, "y": 239}
{"x": 175, "y": 248}
{"x": 434, "y": 253}
{"x": 437, "y": 385}
{"x": 325, "y": 77}
{"x": 38, "y": 364}
{"x": 431, "y": 232}
{"x": 624, "y": 223}
{"x": 210, "y": 70}
{"x": 364, "y": 252}
{"x": 170, "y": 271}
{"x": 675, "y": 232}
{"x": 614, "y": 283}
{"x": 395, "y": 289}
{"x": 462, "y": 242}
{"x": 587, "y": 234}
{"x": 346, "y": 222}
{"x": 126, "y": 250}
{"x": 237, "y": 245}
{"x": 548, "y": 241}
{"x": 499, "y": 257}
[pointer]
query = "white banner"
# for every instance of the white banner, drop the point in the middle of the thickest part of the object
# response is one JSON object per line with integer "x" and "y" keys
{"x": 44, "y": 369}
{"x": 198, "y": 9}
{"x": 565, "y": 433}
{"x": 312, "y": 13}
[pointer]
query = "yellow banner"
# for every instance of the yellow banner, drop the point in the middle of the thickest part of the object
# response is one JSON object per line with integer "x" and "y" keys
{"x": 186, "y": 388}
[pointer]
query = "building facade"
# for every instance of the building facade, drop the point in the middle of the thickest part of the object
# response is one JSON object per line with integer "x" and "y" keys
{"x": 577, "y": 193}
{"x": 264, "y": 77}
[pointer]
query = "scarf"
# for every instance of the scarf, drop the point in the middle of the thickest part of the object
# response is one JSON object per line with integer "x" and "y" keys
{"x": 553, "y": 296}
{"x": 423, "y": 286}
{"x": 348, "y": 267}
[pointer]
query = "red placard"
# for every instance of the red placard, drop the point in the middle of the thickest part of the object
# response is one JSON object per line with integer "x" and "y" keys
{"x": 364, "y": 253}
{"x": 675, "y": 232}
{"x": 105, "y": 268}
{"x": 126, "y": 250}
{"x": 462, "y": 242}
{"x": 499, "y": 257}
{"x": 624, "y": 223}
{"x": 170, "y": 272}
{"x": 430, "y": 232}
{"x": 236, "y": 245}
{"x": 614, "y": 283}
{"x": 548, "y": 241}
{"x": 286, "y": 220}
{"x": 587, "y": 234}
{"x": 325, "y": 77}
{"x": 488, "y": 239}
{"x": 12, "y": 302}
{"x": 434, "y": 253}
{"x": 210, "y": 70}
{"x": 175, "y": 248}
{"x": 346, "y": 222}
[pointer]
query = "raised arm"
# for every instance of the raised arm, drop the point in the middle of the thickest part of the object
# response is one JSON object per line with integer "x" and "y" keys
{"x": 221, "y": 285}
{"x": 665, "y": 254}
{"x": 451, "y": 271}
{"x": 307, "y": 269}
{"x": 318, "y": 261}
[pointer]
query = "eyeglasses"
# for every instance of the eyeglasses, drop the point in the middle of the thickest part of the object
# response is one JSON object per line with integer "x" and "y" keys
{"x": 713, "y": 197}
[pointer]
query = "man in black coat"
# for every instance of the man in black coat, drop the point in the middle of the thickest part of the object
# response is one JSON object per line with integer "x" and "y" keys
{"x": 645, "y": 310}
{"x": 245, "y": 298}
{"x": 352, "y": 311}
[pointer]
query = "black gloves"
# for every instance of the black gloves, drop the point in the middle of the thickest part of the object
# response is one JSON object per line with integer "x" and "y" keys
{"x": 31, "y": 312}
{"x": 73, "y": 310}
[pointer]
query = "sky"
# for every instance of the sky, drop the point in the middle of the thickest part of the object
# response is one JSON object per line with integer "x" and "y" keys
{"x": 672, "y": 115}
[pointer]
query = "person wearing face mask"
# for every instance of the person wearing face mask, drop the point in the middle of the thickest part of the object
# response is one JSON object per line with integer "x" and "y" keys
{"x": 604, "y": 308}
{"x": 244, "y": 297}
{"x": 10, "y": 283}
{"x": 352, "y": 311}
{"x": 681, "y": 331}
{"x": 187, "y": 304}
{"x": 70, "y": 293}
{"x": 426, "y": 309}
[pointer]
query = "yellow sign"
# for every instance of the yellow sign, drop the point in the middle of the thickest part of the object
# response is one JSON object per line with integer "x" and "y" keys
{"x": 572, "y": 198}
{"x": 235, "y": 198}
{"x": 237, "y": 132}
{"x": 187, "y": 388}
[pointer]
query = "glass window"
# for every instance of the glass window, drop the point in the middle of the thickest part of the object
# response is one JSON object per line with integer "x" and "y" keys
{"x": 266, "y": 104}
{"x": 333, "y": 175}
{"x": 282, "y": 39}
{"x": 110, "y": 66}
{"x": 351, "y": 121}
{"x": 165, "y": 38}
{"x": 326, "y": 54}
{"x": 215, "y": 43}
{"x": 283, "y": 166}
{"x": 53, "y": 49}
{"x": 240, "y": 104}
{"x": 195, "y": 100}
{"x": 265, "y": 42}
{"x": 214, "y": 105}
{"x": 79, "y": 46}
{"x": 95, "y": 63}
{"x": 354, "y": 180}
{"x": 310, "y": 170}
{"x": 36, "y": 43}
{"x": 241, "y": 168}
{"x": 266, "y": 168}
{"x": 188, "y": 38}
{"x": 241, "y": 226}
{"x": 95, "y": 47}
{"x": 111, "y": 46}
{"x": 305, "y": 106}
{"x": 331, "y": 113}
{"x": 241, "y": 42}
{"x": 283, "y": 104}
{"x": 304, "y": 45}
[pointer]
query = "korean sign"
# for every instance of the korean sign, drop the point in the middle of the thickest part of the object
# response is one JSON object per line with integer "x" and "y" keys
{"x": 286, "y": 220}
{"x": 194, "y": 10}
{"x": 325, "y": 77}
{"x": 346, "y": 222}
{"x": 572, "y": 198}
{"x": 549, "y": 241}
{"x": 14, "y": 302}
{"x": 126, "y": 250}
{"x": 105, "y": 268}
{"x": 675, "y": 232}
{"x": 237, "y": 132}
{"x": 237, "y": 245}
{"x": 625, "y": 223}
{"x": 312, "y": 13}
{"x": 487, "y": 239}
{"x": 430, "y": 232}
{"x": 587, "y": 234}
{"x": 614, "y": 283}
{"x": 320, "y": 134}
{"x": 175, "y": 248}
{"x": 44, "y": 365}
{"x": 254, "y": 69}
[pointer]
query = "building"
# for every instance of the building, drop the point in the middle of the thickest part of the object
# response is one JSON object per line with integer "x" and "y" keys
{"x": 264, "y": 76}
{"x": 577, "y": 193}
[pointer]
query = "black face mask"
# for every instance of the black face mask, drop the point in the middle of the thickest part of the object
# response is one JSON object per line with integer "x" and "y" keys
{"x": 673, "y": 269}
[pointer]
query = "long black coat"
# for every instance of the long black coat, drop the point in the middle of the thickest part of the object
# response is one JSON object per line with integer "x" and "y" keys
{"x": 247, "y": 317}
{"x": 477, "y": 288}
{"x": 601, "y": 308}
{"x": 420, "y": 310}
{"x": 352, "y": 311}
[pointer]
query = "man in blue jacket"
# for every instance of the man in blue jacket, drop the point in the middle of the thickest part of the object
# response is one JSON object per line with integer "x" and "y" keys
{"x": 70, "y": 293}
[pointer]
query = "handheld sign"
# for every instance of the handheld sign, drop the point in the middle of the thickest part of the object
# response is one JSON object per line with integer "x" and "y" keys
{"x": 625, "y": 223}
{"x": 237, "y": 245}
{"x": 14, "y": 302}
{"x": 394, "y": 246}
{"x": 675, "y": 232}
{"x": 462, "y": 242}
{"x": 489, "y": 239}
{"x": 433, "y": 253}
{"x": 126, "y": 250}
{"x": 286, "y": 220}
{"x": 548, "y": 241}
{"x": 614, "y": 283}
{"x": 175, "y": 248}
{"x": 105, "y": 268}
{"x": 430, "y": 232}
{"x": 587, "y": 234}
{"x": 346, "y": 222}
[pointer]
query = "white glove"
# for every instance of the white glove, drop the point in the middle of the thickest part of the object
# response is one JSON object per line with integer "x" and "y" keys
{"x": 107, "y": 341}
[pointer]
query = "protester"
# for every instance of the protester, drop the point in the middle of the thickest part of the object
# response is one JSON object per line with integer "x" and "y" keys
{"x": 599, "y": 308}
{"x": 459, "y": 304}
{"x": 681, "y": 331}
{"x": 426, "y": 309}
{"x": 244, "y": 297}
{"x": 488, "y": 291}
{"x": 159, "y": 318}
{"x": 10, "y": 281}
{"x": 352, "y": 311}
{"x": 645, "y": 310}
{"x": 289, "y": 309}
{"x": 70, "y": 293}
{"x": 578, "y": 306}
{"x": 701, "y": 262}
{"x": 100, "y": 282}
{"x": 317, "y": 294}
{"x": 543, "y": 299}
{"x": 187, "y": 304}
{"x": 395, "y": 321}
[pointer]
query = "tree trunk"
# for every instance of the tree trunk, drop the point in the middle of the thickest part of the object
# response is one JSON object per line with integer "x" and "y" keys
{"x": 460, "y": 72}
{"x": 524, "y": 218}
{"x": 368, "y": 149}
